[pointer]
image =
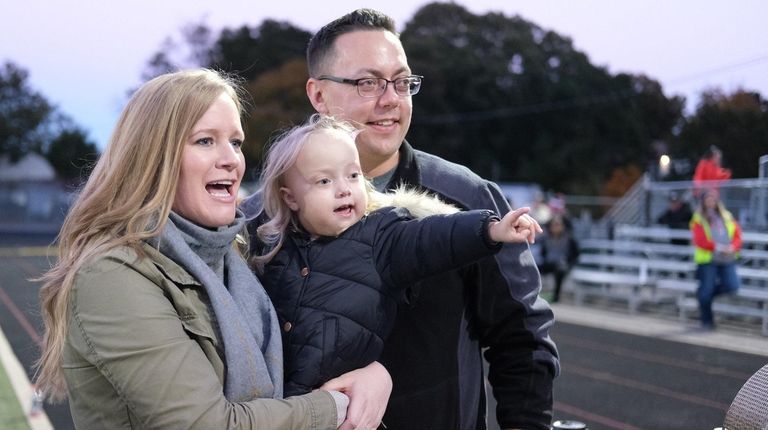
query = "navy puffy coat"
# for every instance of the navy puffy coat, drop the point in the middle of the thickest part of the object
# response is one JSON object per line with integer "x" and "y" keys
{"x": 336, "y": 298}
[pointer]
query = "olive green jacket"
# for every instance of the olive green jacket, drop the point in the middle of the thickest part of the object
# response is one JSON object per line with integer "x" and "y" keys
{"x": 141, "y": 353}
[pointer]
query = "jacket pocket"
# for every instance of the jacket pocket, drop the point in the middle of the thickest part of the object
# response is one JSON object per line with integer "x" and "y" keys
{"x": 194, "y": 325}
{"x": 330, "y": 337}
{"x": 191, "y": 305}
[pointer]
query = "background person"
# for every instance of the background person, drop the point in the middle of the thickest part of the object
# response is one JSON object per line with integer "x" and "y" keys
{"x": 559, "y": 251}
{"x": 709, "y": 169}
{"x": 540, "y": 210}
{"x": 677, "y": 215}
{"x": 717, "y": 241}
{"x": 357, "y": 69}
{"x": 152, "y": 317}
{"x": 557, "y": 205}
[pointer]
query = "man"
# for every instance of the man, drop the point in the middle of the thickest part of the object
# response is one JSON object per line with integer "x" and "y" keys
{"x": 359, "y": 72}
{"x": 677, "y": 215}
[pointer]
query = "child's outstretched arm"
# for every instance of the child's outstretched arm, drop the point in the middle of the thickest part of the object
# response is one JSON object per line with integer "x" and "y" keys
{"x": 516, "y": 226}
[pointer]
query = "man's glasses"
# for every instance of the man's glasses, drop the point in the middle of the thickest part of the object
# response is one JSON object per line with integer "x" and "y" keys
{"x": 374, "y": 87}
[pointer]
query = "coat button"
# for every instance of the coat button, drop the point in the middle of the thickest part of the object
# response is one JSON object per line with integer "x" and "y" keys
{"x": 287, "y": 326}
{"x": 304, "y": 272}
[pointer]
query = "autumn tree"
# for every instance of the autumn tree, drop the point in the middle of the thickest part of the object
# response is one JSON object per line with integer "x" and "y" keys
{"x": 516, "y": 102}
{"x": 279, "y": 101}
{"x": 269, "y": 58}
{"x": 507, "y": 98}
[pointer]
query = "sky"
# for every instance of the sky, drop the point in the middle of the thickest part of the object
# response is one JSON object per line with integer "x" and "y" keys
{"x": 84, "y": 56}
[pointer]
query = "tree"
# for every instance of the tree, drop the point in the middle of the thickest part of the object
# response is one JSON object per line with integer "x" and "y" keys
{"x": 194, "y": 51}
{"x": 737, "y": 123}
{"x": 29, "y": 123}
{"x": 23, "y": 113}
{"x": 249, "y": 52}
{"x": 505, "y": 97}
{"x": 270, "y": 60}
{"x": 278, "y": 101}
{"x": 72, "y": 155}
{"x": 516, "y": 102}
{"x": 245, "y": 51}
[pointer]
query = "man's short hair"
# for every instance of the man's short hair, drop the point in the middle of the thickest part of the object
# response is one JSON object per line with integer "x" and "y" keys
{"x": 321, "y": 44}
{"x": 673, "y": 196}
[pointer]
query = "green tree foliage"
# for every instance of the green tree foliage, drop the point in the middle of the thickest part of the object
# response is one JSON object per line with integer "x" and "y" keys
{"x": 737, "y": 123}
{"x": 270, "y": 60}
{"x": 194, "y": 51}
{"x": 516, "y": 102}
{"x": 23, "y": 113}
{"x": 29, "y": 123}
{"x": 72, "y": 155}
{"x": 249, "y": 52}
{"x": 509, "y": 99}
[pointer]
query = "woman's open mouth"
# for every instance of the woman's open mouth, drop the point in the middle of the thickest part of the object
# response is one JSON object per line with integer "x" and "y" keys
{"x": 221, "y": 189}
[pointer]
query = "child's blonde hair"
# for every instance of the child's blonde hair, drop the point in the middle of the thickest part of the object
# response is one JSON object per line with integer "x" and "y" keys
{"x": 282, "y": 155}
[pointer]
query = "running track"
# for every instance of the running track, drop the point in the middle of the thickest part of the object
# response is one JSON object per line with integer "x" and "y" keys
{"x": 610, "y": 379}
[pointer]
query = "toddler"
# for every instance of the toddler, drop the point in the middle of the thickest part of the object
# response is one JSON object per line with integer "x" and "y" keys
{"x": 338, "y": 256}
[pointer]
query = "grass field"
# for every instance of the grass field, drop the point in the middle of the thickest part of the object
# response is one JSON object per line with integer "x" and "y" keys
{"x": 11, "y": 415}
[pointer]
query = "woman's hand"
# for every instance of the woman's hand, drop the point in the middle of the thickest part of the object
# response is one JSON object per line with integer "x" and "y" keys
{"x": 368, "y": 389}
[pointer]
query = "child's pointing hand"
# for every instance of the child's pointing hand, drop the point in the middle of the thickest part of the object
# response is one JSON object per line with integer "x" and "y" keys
{"x": 516, "y": 226}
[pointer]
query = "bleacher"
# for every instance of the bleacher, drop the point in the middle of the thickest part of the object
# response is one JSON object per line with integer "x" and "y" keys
{"x": 641, "y": 266}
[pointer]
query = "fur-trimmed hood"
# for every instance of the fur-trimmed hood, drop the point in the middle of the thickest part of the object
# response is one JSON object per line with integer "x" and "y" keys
{"x": 419, "y": 203}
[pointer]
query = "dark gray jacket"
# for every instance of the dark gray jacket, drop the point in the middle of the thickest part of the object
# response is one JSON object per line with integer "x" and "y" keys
{"x": 434, "y": 350}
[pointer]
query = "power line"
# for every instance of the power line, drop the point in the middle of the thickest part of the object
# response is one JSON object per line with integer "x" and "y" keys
{"x": 514, "y": 111}
{"x": 719, "y": 69}
{"x": 557, "y": 105}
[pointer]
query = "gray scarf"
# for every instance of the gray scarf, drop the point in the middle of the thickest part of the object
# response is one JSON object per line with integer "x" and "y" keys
{"x": 246, "y": 318}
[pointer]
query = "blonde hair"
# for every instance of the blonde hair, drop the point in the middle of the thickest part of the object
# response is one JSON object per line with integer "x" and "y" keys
{"x": 128, "y": 196}
{"x": 719, "y": 206}
{"x": 281, "y": 156}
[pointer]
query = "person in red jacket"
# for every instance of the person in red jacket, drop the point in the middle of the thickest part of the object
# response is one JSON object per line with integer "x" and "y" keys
{"x": 716, "y": 241}
{"x": 709, "y": 169}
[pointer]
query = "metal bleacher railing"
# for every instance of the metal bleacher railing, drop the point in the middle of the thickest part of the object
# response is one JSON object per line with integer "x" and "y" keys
{"x": 627, "y": 256}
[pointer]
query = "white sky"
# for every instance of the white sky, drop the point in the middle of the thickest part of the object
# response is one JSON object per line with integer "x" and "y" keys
{"x": 85, "y": 55}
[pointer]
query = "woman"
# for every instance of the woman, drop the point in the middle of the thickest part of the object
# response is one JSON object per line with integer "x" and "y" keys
{"x": 559, "y": 251}
{"x": 152, "y": 317}
{"x": 716, "y": 241}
